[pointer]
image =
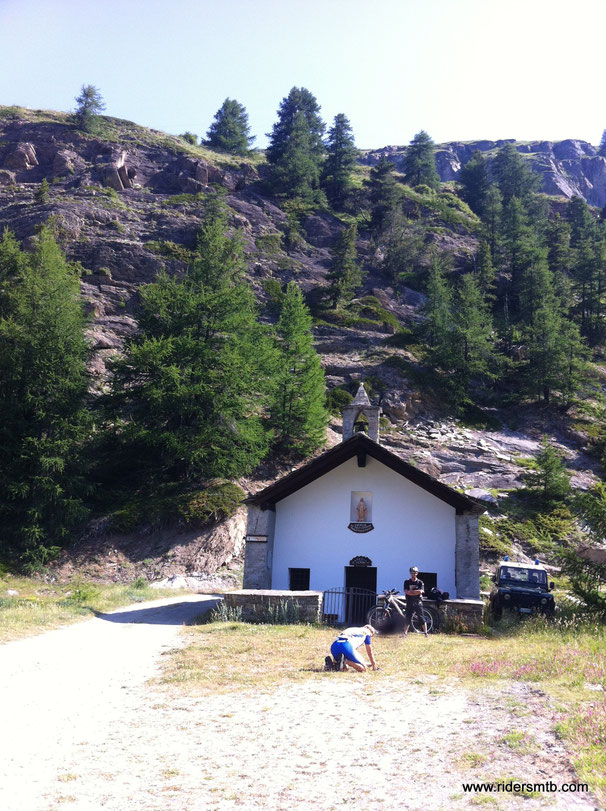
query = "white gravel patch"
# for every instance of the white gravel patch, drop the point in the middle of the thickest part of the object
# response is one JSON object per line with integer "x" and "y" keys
{"x": 84, "y": 729}
{"x": 65, "y": 692}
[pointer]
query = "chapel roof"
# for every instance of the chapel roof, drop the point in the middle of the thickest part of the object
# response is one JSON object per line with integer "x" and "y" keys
{"x": 360, "y": 445}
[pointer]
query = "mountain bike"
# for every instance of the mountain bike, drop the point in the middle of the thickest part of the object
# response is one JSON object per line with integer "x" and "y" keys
{"x": 388, "y": 613}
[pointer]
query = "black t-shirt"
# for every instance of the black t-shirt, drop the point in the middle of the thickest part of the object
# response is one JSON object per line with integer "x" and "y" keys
{"x": 413, "y": 584}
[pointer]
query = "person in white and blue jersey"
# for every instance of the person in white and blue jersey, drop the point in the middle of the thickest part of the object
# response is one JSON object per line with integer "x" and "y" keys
{"x": 344, "y": 650}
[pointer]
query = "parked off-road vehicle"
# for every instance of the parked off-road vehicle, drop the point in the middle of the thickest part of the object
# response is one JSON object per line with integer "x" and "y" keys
{"x": 521, "y": 587}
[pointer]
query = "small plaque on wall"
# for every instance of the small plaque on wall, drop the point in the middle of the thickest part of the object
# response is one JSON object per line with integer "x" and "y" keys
{"x": 256, "y": 539}
{"x": 360, "y": 526}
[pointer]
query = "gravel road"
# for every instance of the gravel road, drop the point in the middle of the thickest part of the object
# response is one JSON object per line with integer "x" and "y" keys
{"x": 84, "y": 729}
{"x": 65, "y": 693}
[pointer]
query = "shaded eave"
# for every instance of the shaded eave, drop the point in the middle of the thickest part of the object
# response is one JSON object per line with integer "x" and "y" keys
{"x": 361, "y": 446}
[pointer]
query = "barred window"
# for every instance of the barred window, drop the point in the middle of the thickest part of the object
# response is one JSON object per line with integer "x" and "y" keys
{"x": 299, "y": 579}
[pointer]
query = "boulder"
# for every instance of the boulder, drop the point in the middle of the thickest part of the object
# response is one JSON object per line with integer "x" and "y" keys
{"x": 23, "y": 156}
{"x": 64, "y": 162}
{"x": 7, "y": 178}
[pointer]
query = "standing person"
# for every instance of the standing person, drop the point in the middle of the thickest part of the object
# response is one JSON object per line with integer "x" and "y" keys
{"x": 414, "y": 588}
{"x": 344, "y": 649}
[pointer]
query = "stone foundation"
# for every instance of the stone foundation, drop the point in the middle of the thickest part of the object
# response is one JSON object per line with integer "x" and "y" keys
{"x": 466, "y": 615}
{"x": 258, "y": 604}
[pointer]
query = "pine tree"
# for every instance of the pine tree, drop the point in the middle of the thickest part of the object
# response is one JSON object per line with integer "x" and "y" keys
{"x": 90, "y": 104}
{"x": 474, "y": 328}
{"x": 473, "y": 177}
{"x": 41, "y": 195}
{"x": 559, "y": 256}
{"x": 194, "y": 381}
{"x": 230, "y": 130}
{"x": 602, "y": 147}
{"x": 341, "y": 155}
{"x": 493, "y": 210}
{"x": 485, "y": 271}
{"x": 345, "y": 274}
{"x": 298, "y": 414}
{"x": 43, "y": 385}
{"x": 519, "y": 248}
{"x": 513, "y": 175}
{"x": 419, "y": 162}
{"x": 439, "y": 322}
{"x": 555, "y": 351}
{"x": 550, "y": 479}
{"x": 296, "y": 148}
{"x": 383, "y": 194}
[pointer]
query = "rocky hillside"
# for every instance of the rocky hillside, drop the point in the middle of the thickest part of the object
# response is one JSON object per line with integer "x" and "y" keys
{"x": 569, "y": 168}
{"x": 129, "y": 202}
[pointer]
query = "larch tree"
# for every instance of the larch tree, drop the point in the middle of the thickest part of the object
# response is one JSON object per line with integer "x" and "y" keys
{"x": 419, "y": 162}
{"x": 193, "y": 383}
{"x": 296, "y": 149}
{"x": 344, "y": 275}
{"x": 90, "y": 104}
{"x": 383, "y": 194}
{"x": 298, "y": 414}
{"x": 341, "y": 155}
{"x": 44, "y": 422}
{"x": 230, "y": 130}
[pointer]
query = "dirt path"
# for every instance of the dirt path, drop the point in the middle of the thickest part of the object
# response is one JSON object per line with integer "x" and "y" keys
{"x": 83, "y": 729}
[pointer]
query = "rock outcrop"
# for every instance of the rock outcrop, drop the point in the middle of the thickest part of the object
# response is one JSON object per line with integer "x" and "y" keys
{"x": 568, "y": 168}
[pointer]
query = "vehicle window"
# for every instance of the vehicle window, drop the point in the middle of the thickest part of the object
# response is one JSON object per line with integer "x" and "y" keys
{"x": 530, "y": 576}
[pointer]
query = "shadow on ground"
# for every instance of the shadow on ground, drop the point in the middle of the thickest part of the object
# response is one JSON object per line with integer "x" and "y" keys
{"x": 182, "y": 613}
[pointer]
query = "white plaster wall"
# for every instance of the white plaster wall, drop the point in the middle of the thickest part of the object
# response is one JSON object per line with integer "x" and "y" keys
{"x": 412, "y": 528}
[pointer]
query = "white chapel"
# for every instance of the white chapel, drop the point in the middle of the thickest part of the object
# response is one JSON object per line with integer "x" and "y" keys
{"x": 359, "y": 516}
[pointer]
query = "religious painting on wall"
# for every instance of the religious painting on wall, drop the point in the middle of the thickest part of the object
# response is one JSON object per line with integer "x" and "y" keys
{"x": 360, "y": 511}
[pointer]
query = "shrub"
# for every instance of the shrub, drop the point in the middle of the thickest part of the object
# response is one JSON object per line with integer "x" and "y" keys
{"x": 217, "y": 501}
{"x": 336, "y": 399}
{"x": 190, "y": 138}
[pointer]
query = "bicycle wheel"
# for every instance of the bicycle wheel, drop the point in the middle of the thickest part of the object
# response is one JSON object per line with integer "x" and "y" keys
{"x": 432, "y": 621}
{"x": 380, "y": 618}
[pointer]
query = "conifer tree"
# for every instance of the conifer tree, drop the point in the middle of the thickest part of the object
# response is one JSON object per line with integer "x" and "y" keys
{"x": 485, "y": 271}
{"x": 296, "y": 148}
{"x": 473, "y": 177}
{"x": 555, "y": 351}
{"x": 383, "y": 194}
{"x": 439, "y": 322}
{"x": 41, "y": 195}
{"x": 89, "y": 104}
{"x": 341, "y": 154}
{"x": 43, "y": 385}
{"x": 550, "y": 479}
{"x": 194, "y": 381}
{"x": 513, "y": 175}
{"x": 230, "y": 130}
{"x": 419, "y": 162}
{"x": 474, "y": 327}
{"x": 493, "y": 210}
{"x": 602, "y": 147}
{"x": 345, "y": 274}
{"x": 519, "y": 248}
{"x": 298, "y": 413}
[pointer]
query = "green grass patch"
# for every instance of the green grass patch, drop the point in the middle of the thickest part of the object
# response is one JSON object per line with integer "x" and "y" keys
{"x": 171, "y": 250}
{"x": 40, "y": 606}
{"x": 216, "y": 501}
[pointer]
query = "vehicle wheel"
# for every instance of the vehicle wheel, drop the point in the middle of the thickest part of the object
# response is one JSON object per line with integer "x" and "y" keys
{"x": 431, "y": 621}
{"x": 380, "y": 618}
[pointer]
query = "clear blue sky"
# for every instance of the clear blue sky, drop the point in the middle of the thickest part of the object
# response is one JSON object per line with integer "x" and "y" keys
{"x": 460, "y": 69}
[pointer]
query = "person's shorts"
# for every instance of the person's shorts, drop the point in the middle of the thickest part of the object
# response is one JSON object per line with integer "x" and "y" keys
{"x": 411, "y": 610}
{"x": 337, "y": 648}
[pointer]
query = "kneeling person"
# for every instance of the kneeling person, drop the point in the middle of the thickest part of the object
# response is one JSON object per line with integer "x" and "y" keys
{"x": 344, "y": 649}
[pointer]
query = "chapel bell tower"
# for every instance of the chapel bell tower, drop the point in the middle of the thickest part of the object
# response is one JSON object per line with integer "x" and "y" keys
{"x": 361, "y": 408}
